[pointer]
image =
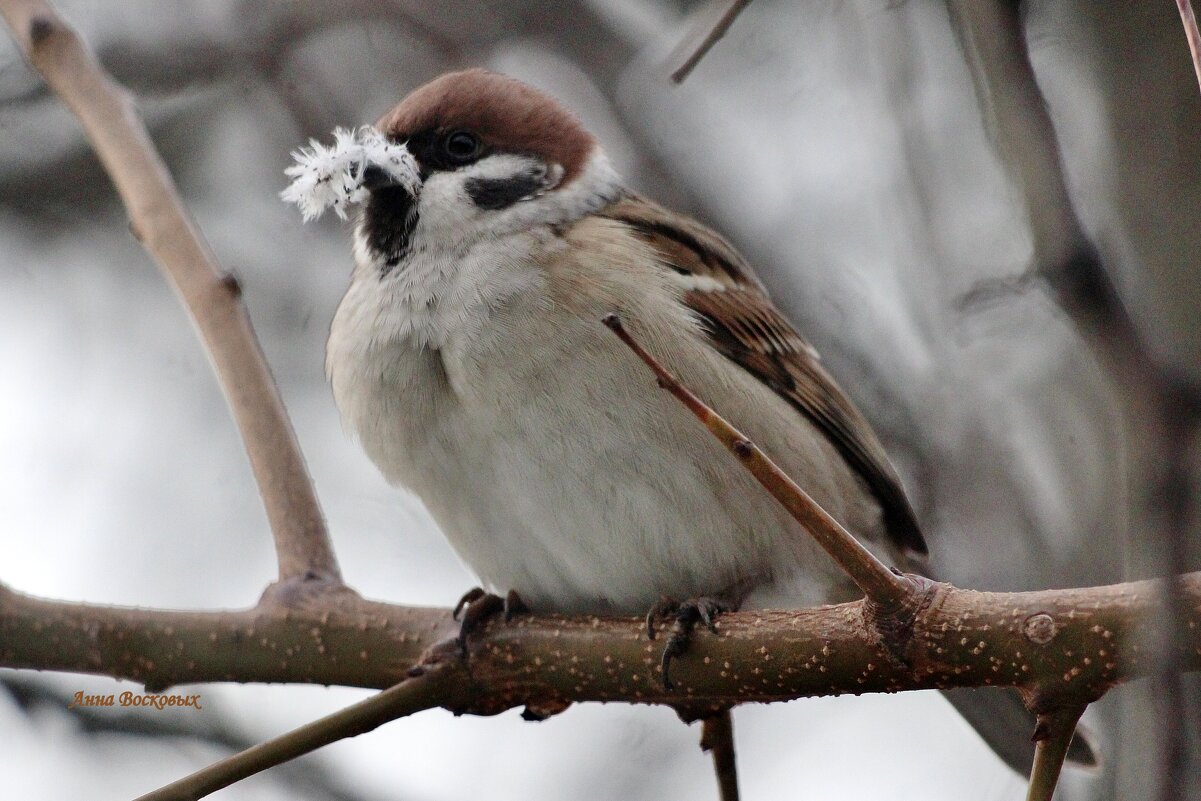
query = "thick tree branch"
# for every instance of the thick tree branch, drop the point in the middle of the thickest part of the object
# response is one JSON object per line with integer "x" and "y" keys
{"x": 1062, "y": 648}
{"x": 1056, "y": 645}
{"x": 213, "y": 297}
{"x": 330, "y": 636}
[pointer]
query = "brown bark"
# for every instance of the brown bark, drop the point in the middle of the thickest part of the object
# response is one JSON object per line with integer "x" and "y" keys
{"x": 1056, "y": 645}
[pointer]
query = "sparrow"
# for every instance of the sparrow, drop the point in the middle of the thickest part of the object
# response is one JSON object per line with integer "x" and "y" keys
{"x": 469, "y": 358}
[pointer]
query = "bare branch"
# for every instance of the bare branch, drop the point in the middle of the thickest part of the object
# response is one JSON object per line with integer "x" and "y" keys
{"x": 717, "y": 737}
{"x": 212, "y": 296}
{"x": 1053, "y": 734}
{"x": 412, "y": 695}
{"x": 328, "y": 637}
{"x": 211, "y": 731}
{"x": 1059, "y": 645}
{"x": 878, "y": 583}
{"x": 1063, "y": 648}
{"x": 692, "y": 50}
{"x": 1194, "y": 37}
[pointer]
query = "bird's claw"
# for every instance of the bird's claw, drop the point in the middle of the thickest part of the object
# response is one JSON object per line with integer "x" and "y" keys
{"x": 469, "y": 597}
{"x": 686, "y": 615}
{"x": 476, "y": 606}
{"x": 660, "y": 610}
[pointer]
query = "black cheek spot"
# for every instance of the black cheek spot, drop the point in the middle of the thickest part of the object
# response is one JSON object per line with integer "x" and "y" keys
{"x": 499, "y": 193}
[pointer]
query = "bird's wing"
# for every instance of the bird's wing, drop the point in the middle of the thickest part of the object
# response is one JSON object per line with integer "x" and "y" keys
{"x": 747, "y": 328}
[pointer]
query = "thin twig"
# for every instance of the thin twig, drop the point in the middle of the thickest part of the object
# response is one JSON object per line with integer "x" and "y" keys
{"x": 1053, "y": 735}
{"x": 212, "y": 296}
{"x": 870, "y": 574}
{"x": 1190, "y": 31}
{"x": 708, "y": 35}
{"x": 412, "y": 695}
{"x": 717, "y": 737}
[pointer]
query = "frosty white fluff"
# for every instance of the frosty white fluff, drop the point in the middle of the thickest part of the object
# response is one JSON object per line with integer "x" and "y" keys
{"x": 333, "y": 176}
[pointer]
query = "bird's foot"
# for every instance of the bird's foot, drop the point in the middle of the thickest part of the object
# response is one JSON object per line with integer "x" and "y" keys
{"x": 476, "y": 606}
{"x": 685, "y": 616}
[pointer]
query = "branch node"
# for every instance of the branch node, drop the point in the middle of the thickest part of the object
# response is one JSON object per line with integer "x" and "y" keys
{"x": 1040, "y": 628}
{"x": 233, "y": 285}
{"x": 40, "y": 29}
{"x": 156, "y": 685}
{"x": 304, "y": 591}
{"x": 893, "y": 621}
{"x": 538, "y": 711}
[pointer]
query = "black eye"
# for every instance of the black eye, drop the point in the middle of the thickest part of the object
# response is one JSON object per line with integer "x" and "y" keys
{"x": 460, "y": 147}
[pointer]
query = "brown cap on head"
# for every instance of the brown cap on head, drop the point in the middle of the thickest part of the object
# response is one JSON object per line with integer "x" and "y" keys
{"x": 505, "y": 113}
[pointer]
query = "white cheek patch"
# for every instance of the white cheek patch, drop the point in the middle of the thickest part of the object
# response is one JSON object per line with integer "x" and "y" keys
{"x": 501, "y": 166}
{"x": 325, "y": 177}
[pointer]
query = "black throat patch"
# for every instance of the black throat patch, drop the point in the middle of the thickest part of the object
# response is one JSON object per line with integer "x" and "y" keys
{"x": 388, "y": 221}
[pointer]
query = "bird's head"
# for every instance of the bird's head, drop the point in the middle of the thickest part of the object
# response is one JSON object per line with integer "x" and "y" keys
{"x": 494, "y": 157}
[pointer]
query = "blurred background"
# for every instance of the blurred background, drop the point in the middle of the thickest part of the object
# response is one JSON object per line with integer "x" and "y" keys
{"x": 840, "y": 145}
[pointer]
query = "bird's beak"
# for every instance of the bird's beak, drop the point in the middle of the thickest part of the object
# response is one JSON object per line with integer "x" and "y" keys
{"x": 393, "y": 168}
{"x": 376, "y": 177}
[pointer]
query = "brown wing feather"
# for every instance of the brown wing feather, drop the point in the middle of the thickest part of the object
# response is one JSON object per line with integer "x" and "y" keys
{"x": 745, "y": 327}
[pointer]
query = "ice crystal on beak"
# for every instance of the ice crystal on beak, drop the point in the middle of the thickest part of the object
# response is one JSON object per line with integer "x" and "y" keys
{"x": 325, "y": 177}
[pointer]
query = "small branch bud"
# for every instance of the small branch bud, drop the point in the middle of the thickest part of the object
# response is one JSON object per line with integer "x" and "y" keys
{"x": 1039, "y": 629}
{"x": 40, "y": 29}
